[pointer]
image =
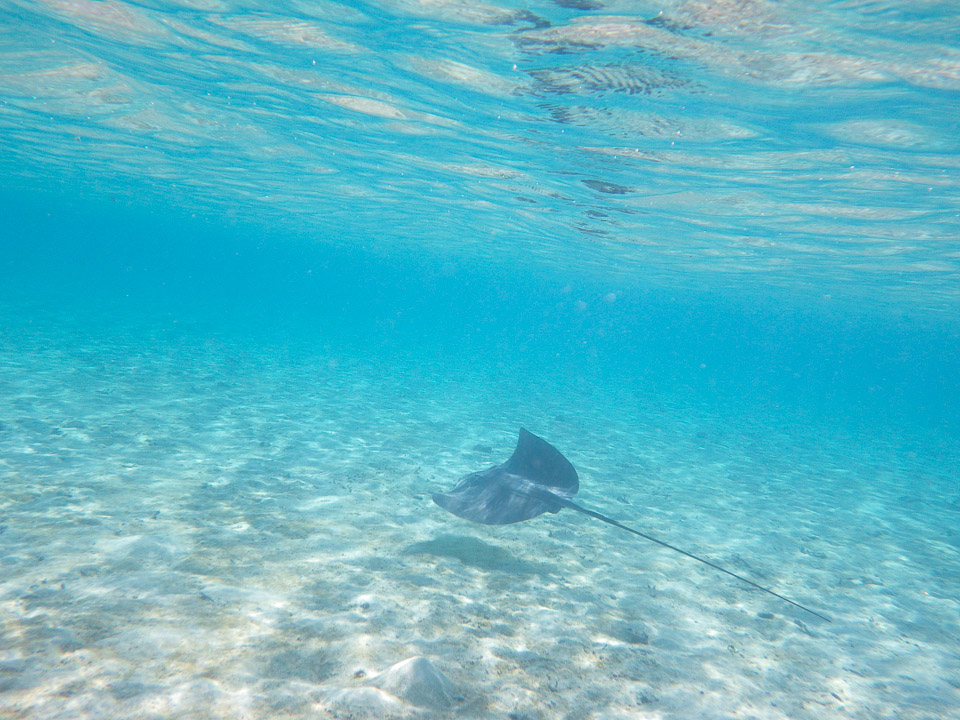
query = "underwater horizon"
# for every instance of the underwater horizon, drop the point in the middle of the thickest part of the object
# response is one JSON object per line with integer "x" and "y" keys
{"x": 272, "y": 275}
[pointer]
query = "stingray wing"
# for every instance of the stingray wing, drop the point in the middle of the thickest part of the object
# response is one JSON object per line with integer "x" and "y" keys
{"x": 540, "y": 463}
{"x": 525, "y": 486}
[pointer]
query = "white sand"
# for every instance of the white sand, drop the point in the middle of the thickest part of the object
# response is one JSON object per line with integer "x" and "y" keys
{"x": 191, "y": 530}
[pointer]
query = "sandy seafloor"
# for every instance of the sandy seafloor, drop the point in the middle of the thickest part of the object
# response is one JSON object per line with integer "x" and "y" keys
{"x": 195, "y": 530}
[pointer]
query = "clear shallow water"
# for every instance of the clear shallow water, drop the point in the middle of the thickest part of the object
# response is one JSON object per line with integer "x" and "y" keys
{"x": 270, "y": 276}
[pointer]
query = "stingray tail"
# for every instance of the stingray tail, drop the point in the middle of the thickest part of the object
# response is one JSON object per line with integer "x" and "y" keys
{"x": 611, "y": 521}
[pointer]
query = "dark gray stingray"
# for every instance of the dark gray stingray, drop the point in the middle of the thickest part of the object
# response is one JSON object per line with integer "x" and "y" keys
{"x": 538, "y": 479}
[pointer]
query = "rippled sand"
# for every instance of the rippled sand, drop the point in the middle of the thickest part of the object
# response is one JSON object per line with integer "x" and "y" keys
{"x": 190, "y": 529}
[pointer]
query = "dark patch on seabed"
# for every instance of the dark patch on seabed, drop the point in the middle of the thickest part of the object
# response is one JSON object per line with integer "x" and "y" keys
{"x": 480, "y": 555}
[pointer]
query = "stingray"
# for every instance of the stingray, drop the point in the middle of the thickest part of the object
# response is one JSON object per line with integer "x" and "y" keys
{"x": 538, "y": 479}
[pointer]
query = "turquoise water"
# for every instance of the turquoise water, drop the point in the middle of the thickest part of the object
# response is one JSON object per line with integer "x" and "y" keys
{"x": 271, "y": 275}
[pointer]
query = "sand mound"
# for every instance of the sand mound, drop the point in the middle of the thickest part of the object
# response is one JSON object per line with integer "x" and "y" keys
{"x": 416, "y": 681}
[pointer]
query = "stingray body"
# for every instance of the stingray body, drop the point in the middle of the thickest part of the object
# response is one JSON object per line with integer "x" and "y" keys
{"x": 538, "y": 479}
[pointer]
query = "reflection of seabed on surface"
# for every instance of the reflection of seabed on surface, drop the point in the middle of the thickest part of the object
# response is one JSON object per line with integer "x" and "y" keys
{"x": 628, "y": 142}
